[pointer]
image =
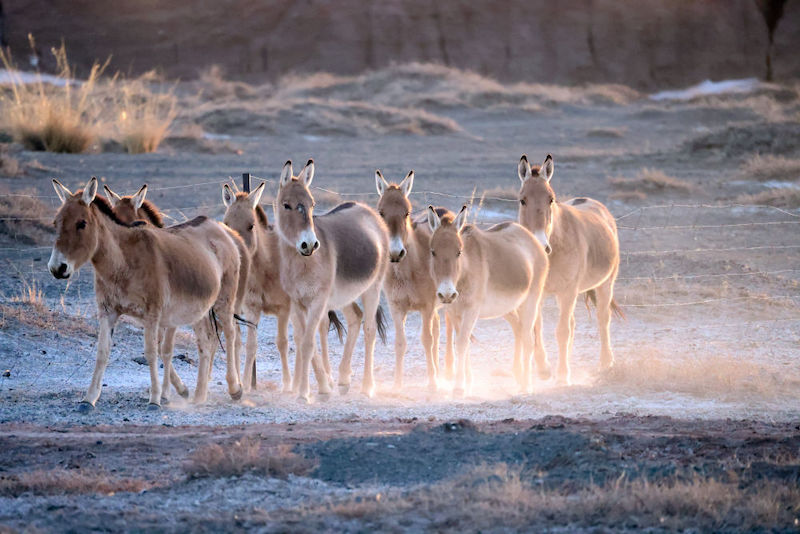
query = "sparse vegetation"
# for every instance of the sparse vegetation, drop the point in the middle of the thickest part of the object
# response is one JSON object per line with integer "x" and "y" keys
{"x": 606, "y": 133}
{"x": 9, "y": 165}
{"x": 769, "y": 167}
{"x": 61, "y": 481}
{"x": 25, "y": 219}
{"x": 245, "y": 455}
{"x": 144, "y": 117}
{"x": 782, "y": 197}
{"x": 651, "y": 181}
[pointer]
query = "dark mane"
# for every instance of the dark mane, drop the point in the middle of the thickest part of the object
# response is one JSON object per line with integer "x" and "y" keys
{"x": 261, "y": 215}
{"x": 152, "y": 215}
{"x": 104, "y": 206}
{"x": 341, "y": 207}
{"x": 197, "y": 221}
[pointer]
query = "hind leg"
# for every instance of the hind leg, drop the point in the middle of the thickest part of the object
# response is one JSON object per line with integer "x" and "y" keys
{"x": 324, "y": 328}
{"x": 168, "y": 347}
{"x": 282, "y": 341}
{"x": 353, "y": 317}
{"x": 435, "y": 333}
{"x": 206, "y": 346}
{"x": 449, "y": 359}
{"x": 371, "y": 300}
{"x": 428, "y": 332}
{"x": 565, "y": 333}
{"x": 517, "y": 367}
{"x": 250, "y": 350}
{"x": 605, "y": 294}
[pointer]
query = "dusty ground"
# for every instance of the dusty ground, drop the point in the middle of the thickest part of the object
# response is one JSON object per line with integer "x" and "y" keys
{"x": 705, "y": 396}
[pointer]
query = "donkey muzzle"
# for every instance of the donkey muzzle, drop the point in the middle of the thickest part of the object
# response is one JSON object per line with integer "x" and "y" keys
{"x": 447, "y": 292}
{"x": 61, "y": 271}
{"x": 395, "y": 257}
{"x": 307, "y": 248}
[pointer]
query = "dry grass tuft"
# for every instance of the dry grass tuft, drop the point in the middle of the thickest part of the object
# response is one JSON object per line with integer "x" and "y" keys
{"x": 782, "y": 197}
{"x": 144, "y": 117}
{"x": 769, "y": 167}
{"x": 25, "y": 219}
{"x": 628, "y": 196}
{"x": 67, "y": 482}
{"x": 9, "y": 165}
{"x": 652, "y": 181}
{"x": 246, "y": 455}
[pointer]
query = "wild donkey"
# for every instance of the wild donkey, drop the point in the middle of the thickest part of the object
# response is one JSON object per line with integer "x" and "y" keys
{"x": 408, "y": 284}
{"x": 328, "y": 262}
{"x": 265, "y": 294}
{"x": 580, "y": 237}
{"x": 485, "y": 274}
{"x": 164, "y": 278}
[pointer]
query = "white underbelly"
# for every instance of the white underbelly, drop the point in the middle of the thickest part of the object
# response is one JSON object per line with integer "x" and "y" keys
{"x": 499, "y": 304}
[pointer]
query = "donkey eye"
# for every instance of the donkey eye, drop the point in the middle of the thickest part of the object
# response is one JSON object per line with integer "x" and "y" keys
{"x": 80, "y": 225}
{"x": 250, "y": 228}
{"x": 407, "y": 214}
{"x": 522, "y": 201}
{"x": 459, "y": 253}
{"x": 287, "y": 206}
{"x": 552, "y": 200}
{"x": 433, "y": 253}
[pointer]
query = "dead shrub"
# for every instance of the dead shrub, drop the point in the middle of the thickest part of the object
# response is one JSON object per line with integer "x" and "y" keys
{"x": 144, "y": 117}
{"x": 783, "y": 197}
{"x": 246, "y": 455}
{"x": 769, "y": 167}
{"x": 25, "y": 219}
{"x": 652, "y": 181}
{"x": 61, "y": 481}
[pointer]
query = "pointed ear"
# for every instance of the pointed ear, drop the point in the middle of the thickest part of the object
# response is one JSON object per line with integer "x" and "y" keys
{"x": 307, "y": 174}
{"x": 433, "y": 219}
{"x": 407, "y": 183}
{"x": 228, "y": 196}
{"x": 547, "y": 169}
{"x": 62, "y": 192}
{"x": 255, "y": 195}
{"x": 380, "y": 183}
{"x": 524, "y": 168}
{"x": 90, "y": 191}
{"x": 461, "y": 219}
{"x": 138, "y": 198}
{"x": 286, "y": 173}
{"x": 112, "y": 196}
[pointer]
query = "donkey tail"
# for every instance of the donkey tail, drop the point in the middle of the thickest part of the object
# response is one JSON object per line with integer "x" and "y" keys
{"x": 380, "y": 320}
{"x": 212, "y": 318}
{"x": 615, "y": 307}
{"x": 336, "y": 324}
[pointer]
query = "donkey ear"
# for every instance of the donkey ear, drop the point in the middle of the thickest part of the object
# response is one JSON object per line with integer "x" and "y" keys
{"x": 380, "y": 183}
{"x": 307, "y": 174}
{"x": 255, "y": 195}
{"x": 112, "y": 196}
{"x": 90, "y": 191}
{"x": 461, "y": 218}
{"x": 138, "y": 198}
{"x": 433, "y": 219}
{"x": 407, "y": 183}
{"x": 524, "y": 168}
{"x": 547, "y": 169}
{"x": 62, "y": 192}
{"x": 228, "y": 196}
{"x": 286, "y": 173}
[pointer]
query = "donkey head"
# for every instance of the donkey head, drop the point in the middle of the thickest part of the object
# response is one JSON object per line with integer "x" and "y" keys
{"x": 127, "y": 208}
{"x": 446, "y": 247}
{"x": 241, "y": 213}
{"x": 537, "y": 199}
{"x": 77, "y": 230}
{"x": 294, "y": 209}
{"x": 395, "y": 209}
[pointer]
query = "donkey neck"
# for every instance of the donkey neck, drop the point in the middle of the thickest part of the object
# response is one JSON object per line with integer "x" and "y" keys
{"x": 108, "y": 257}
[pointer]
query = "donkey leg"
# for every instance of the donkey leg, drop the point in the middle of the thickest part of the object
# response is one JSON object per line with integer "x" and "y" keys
{"x": 166, "y": 359}
{"x": 251, "y": 348}
{"x": 542, "y": 365}
{"x": 527, "y": 318}
{"x": 604, "y": 294}
{"x": 435, "y": 333}
{"x": 463, "y": 332}
{"x": 428, "y": 333}
{"x": 307, "y": 353}
{"x": 399, "y": 320}
{"x": 151, "y": 331}
{"x": 282, "y": 341}
{"x": 168, "y": 347}
{"x": 353, "y": 317}
{"x": 564, "y": 333}
{"x": 324, "y": 361}
{"x": 513, "y": 320}
{"x": 107, "y": 322}
{"x": 232, "y": 371}
{"x": 206, "y": 347}
{"x": 298, "y": 327}
{"x": 448, "y": 347}
{"x": 371, "y": 301}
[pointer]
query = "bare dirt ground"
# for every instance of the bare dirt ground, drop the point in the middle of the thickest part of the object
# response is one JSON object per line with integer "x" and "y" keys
{"x": 695, "y": 427}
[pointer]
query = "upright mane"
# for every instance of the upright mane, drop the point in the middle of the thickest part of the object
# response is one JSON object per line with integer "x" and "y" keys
{"x": 104, "y": 207}
{"x": 152, "y": 214}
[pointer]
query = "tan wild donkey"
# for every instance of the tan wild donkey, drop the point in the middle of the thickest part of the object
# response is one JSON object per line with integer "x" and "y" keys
{"x": 482, "y": 274}
{"x": 408, "y": 284}
{"x": 163, "y": 278}
{"x": 328, "y": 262}
{"x": 580, "y": 237}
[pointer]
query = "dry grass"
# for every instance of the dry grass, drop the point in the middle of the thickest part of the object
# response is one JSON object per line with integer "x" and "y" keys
{"x": 606, "y": 133}
{"x": 61, "y": 481}
{"x": 504, "y": 193}
{"x": 628, "y": 196}
{"x": 25, "y": 219}
{"x": 27, "y": 310}
{"x": 783, "y": 197}
{"x": 74, "y": 116}
{"x": 9, "y": 165}
{"x": 490, "y": 496}
{"x": 652, "y": 181}
{"x": 769, "y": 167}
{"x": 245, "y": 455}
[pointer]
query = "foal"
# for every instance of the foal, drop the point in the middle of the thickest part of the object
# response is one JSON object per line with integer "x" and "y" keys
{"x": 164, "y": 278}
{"x": 580, "y": 237}
{"x": 408, "y": 284}
{"x": 328, "y": 262}
{"x": 485, "y": 274}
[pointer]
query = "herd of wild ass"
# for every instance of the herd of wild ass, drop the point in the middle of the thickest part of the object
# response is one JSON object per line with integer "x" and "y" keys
{"x": 304, "y": 268}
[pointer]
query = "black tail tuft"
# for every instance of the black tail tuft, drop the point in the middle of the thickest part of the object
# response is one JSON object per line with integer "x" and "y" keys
{"x": 615, "y": 307}
{"x": 336, "y": 324}
{"x": 212, "y": 316}
{"x": 242, "y": 321}
{"x": 380, "y": 320}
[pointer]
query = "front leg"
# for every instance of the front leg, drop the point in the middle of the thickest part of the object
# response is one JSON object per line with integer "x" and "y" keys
{"x": 399, "y": 320}
{"x": 429, "y": 332}
{"x": 251, "y": 347}
{"x": 564, "y": 333}
{"x": 107, "y": 321}
{"x": 463, "y": 333}
{"x": 517, "y": 368}
{"x": 540, "y": 355}
{"x": 151, "y": 331}
{"x": 168, "y": 347}
{"x": 449, "y": 358}
{"x": 282, "y": 341}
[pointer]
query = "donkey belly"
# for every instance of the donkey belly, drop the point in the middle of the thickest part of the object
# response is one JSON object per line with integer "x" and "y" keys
{"x": 498, "y": 304}
{"x": 181, "y": 312}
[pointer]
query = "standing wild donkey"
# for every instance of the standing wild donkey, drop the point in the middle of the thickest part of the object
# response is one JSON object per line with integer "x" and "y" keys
{"x": 580, "y": 237}
{"x": 485, "y": 274}
{"x": 408, "y": 284}
{"x": 164, "y": 278}
{"x": 328, "y": 262}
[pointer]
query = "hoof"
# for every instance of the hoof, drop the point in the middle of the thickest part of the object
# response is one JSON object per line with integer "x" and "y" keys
{"x": 164, "y": 401}
{"x": 605, "y": 366}
{"x": 368, "y": 392}
{"x": 85, "y": 407}
{"x": 153, "y": 407}
{"x": 344, "y": 389}
{"x": 302, "y": 399}
{"x": 237, "y": 395}
{"x": 458, "y": 393}
{"x": 324, "y": 397}
{"x": 184, "y": 393}
{"x": 544, "y": 373}
{"x": 287, "y": 390}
